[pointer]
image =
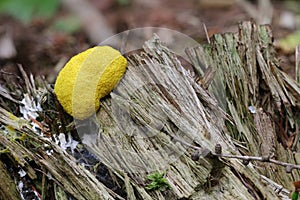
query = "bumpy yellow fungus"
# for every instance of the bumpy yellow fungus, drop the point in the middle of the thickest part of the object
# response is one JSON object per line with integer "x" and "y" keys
{"x": 86, "y": 78}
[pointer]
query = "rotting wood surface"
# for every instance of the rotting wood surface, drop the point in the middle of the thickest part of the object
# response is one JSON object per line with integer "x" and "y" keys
{"x": 158, "y": 110}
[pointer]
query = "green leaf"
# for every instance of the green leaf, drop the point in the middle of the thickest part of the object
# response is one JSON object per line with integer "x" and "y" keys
{"x": 158, "y": 182}
{"x": 3, "y": 4}
{"x": 295, "y": 195}
{"x": 21, "y": 10}
{"x": 25, "y": 10}
{"x": 46, "y": 8}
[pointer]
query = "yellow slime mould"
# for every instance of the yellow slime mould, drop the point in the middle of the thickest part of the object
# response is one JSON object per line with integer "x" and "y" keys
{"x": 86, "y": 78}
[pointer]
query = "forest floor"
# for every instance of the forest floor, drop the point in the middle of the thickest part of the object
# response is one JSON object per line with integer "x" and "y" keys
{"x": 41, "y": 44}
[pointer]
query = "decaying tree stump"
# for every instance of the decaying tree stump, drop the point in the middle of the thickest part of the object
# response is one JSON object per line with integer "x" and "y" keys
{"x": 165, "y": 118}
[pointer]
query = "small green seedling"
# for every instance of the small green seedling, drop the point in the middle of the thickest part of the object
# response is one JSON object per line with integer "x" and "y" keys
{"x": 158, "y": 182}
{"x": 295, "y": 195}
